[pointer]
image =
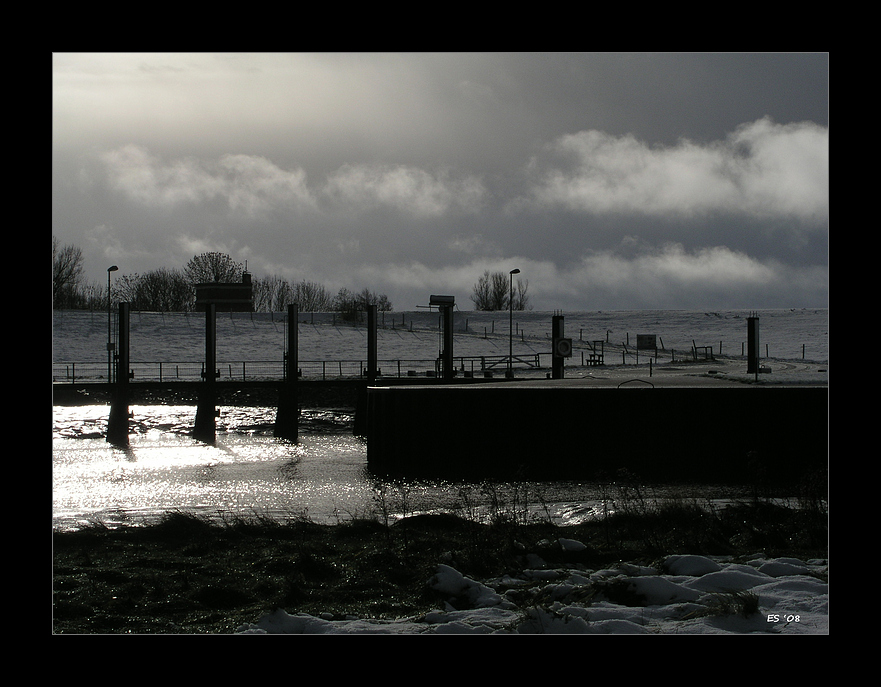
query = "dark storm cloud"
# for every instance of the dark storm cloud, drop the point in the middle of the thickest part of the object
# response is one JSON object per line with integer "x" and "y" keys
{"x": 611, "y": 180}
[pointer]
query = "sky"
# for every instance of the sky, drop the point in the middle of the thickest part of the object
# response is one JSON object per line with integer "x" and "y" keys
{"x": 612, "y": 181}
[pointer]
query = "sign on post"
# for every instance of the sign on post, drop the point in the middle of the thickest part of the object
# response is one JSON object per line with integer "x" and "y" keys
{"x": 646, "y": 342}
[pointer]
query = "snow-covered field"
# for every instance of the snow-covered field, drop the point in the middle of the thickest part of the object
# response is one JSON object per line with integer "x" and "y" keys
{"x": 686, "y": 594}
{"x": 796, "y": 336}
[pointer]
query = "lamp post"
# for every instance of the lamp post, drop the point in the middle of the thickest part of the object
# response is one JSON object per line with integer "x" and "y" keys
{"x": 511, "y": 324}
{"x": 110, "y": 269}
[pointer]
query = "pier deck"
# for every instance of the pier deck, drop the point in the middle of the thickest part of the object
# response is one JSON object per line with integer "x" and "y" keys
{"x": 672, "y": 427}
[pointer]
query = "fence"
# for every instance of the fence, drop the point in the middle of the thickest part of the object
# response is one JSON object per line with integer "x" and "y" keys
{"x": 269, "y": 370}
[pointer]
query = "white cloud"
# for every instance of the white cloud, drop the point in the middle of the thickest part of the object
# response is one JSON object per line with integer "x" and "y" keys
{"x": 256, "y": 185}
{"x": 249, "y": 184}
{"x": 473, "y": 244}
{"x": 406, "y": 188}
{"x": 142, "y": 177}
{"x": 253, "y": 185}
{"x": 762, "y": 169}
{"x": 665, "y": 277}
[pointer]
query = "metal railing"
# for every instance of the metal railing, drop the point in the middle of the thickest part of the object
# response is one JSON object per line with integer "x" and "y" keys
{"x": 273, "y": 370}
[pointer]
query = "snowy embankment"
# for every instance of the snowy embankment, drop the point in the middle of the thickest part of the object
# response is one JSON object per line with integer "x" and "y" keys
{"x": 686, "y": 594}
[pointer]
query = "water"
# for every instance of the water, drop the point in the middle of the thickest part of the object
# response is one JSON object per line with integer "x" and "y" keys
{"x": 248, "y": 472}
{"x": 324, "y": 476}
{"x": 245, "y": 472}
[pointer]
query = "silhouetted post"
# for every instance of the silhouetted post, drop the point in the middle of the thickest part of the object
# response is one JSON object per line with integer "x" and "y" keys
{"x": 752, "y": 344}
{"x": 287, "y": 418}
{"x": 372, "y": 359}
{"x": 206, "y": 408}
{"x": 556, "y": 336}
{"x": 117, "y": 423}
{"x": 446, "y": 304}
{"x": 447, "y": 312}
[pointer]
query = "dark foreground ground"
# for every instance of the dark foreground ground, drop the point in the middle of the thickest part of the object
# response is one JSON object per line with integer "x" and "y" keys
{"x": 186, "y": 576}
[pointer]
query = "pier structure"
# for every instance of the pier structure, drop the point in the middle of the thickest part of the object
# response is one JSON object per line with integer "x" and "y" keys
{"x": 117, "y": 423}
{"x": 206, "y": 409}
{"x": 667, "y": 426}
{"x": 204, "y": 428}
{"x": 288, "y": 414}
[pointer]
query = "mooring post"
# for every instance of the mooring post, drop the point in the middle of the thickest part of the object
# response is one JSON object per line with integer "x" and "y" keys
{"x": 752, "y": 344}
{"x": 117, "y": 423}
{"x": 556, "y": 358}
{"x": 447, "y": 312}
{"x": 206, "y": 408}
{"x": 287, "y": 416}
{"x": 446, "y": 304}
{"x": 372, "y": 359}
{"x": 361, "y": 427}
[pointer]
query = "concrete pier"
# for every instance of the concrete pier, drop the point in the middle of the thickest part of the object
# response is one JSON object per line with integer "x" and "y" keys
{"x": 206, "y": 410}
{"x": 287, "y": 418}
{"x": 118, "y": 420}
{"x": 678, "y": 429}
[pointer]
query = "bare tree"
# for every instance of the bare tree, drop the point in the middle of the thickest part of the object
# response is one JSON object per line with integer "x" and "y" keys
{"x": 345, "y": 302}
{"x": 481, "y": 294}
{"x": 521, "y": 298}
{"x": 312, "y": 297}
{"x": 367, "y": 297}
{"x": 161, "y": 290}
{"x": 271, "y": 293}
{"x": 492, "y": 292}
{"x": 275, "y": 293}
{"x": 213, "y": 267}
{"x": 67, "y": 273}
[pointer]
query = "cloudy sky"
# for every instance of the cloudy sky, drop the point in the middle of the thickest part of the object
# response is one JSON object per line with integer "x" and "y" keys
{"x": 611, "y": 180}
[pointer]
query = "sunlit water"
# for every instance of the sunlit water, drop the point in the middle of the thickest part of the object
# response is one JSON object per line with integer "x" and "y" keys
{"x": 249, "y": 473}
{"x": 245, "y": 472}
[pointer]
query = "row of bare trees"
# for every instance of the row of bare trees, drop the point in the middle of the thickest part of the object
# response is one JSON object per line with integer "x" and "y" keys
{"x": 171, "y": 290}
{"x": 274, "y": 293}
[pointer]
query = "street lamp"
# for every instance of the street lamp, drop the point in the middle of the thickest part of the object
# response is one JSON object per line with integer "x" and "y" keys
{"x": 511, "y": 324}
{"x": 110, "y": 269}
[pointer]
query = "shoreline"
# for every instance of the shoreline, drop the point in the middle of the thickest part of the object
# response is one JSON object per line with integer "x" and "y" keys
{"x": 187, "y": 576}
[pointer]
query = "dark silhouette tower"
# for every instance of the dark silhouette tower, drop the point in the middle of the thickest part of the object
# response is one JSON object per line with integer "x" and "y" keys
{"x": 287, "y": 418}
{"x": 446, "y": 304}
{"x": 117, "y": 423}
{"x": 372, "y": 358}
{"x": 206, "y": 408}
{"x": 562, "y": 347}
{"x": 752, "y": 343}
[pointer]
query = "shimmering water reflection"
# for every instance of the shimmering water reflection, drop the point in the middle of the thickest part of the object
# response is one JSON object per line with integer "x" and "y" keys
{"x": 247, "y": 472}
